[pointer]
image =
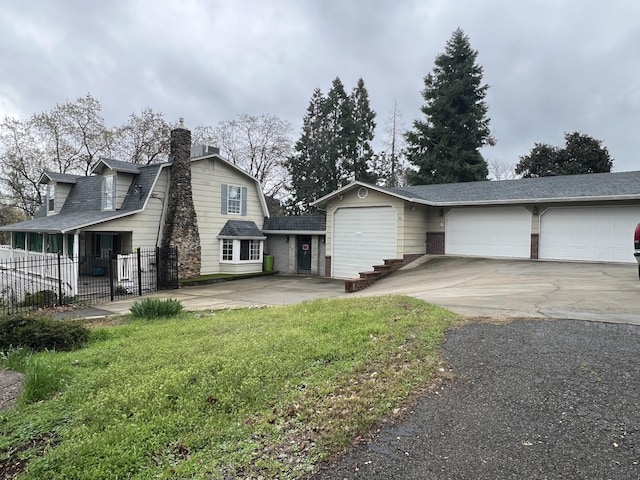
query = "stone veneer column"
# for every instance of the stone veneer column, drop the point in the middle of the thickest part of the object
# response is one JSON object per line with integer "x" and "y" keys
{"x": 181, "y": 223}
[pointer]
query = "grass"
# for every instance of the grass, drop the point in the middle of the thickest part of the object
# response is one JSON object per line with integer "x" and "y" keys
{"x": 243, "y": 393}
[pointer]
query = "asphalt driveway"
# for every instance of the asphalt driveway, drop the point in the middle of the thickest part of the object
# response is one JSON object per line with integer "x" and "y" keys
{"x": 534, "y": 399}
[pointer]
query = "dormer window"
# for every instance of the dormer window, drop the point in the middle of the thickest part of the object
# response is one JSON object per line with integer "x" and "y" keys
{"x": 51, "y": 197}
{"x": 108, "y": 192}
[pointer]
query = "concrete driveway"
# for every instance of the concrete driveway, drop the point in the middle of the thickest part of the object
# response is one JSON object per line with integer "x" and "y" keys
{"x": 521, "y": 288}
{"x": 469, "y": 286}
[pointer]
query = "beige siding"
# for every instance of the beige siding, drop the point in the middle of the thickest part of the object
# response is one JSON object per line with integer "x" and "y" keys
{"x": 62, "y": 192}
{"x": 123, "y": 182}
{"x": 207, "y": 177}
{"x": 413, "y": 235}
{"x": 144, "y": 225}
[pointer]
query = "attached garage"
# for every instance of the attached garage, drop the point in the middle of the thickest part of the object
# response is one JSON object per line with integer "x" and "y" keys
{"x": 588, "y": 233}
{"x": 362, "y": 237}
{"x": 489, "y": 231}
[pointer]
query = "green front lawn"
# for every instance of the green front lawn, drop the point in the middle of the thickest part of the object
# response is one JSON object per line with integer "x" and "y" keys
{"x": 243, "y": 393}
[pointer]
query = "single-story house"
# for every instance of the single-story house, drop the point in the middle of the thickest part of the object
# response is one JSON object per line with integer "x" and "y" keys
{"x": 297, "y": 243}
{"x": 566, "y": 217}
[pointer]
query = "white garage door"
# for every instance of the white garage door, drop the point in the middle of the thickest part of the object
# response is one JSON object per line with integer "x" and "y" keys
{"x": 362, "y": 237}
{"x": 588, "y": 233}
{"x": 489, "y": 232}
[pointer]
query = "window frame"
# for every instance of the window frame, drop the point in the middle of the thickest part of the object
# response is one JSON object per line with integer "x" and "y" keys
{"x": 51, "y": 197}
{"x": 109, "y": 192}
{"x": 235, "y": 202}
{"x": 254, "y": 249}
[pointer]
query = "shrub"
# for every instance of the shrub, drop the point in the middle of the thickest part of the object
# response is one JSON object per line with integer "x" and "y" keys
{"x": 43, "y": 298}
{"x": 156, "y": 308}
{"x": 41, "y": 334}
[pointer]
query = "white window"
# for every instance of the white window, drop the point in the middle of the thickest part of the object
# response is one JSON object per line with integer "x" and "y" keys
{"x": 239, "y": 251}
{"x": 234, "y": 199}
{"x": 51, "y": 197}
{"x": 227, "y": 250}
{"x": 108, "y": 192}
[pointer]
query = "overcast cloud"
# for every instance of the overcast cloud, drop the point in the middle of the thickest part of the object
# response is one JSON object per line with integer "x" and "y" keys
{"x": 552, "y": 66}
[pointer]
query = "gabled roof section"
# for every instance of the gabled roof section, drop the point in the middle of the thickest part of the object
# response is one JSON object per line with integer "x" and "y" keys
{"x": 83, "y": 206}
{"x": 216, "y": 156}
{"x": 116, "y": 166}
{"x": 301, "y": 224}
{"x": 48, "y": 177}
{"x": 241, "y": 229}
{"x": 552, "y": 189}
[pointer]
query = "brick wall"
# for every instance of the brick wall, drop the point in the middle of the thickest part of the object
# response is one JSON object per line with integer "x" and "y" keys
{"x": 435, "y": 243}
{"x": 535, "y": 239}
{"x": 327, "y": 266}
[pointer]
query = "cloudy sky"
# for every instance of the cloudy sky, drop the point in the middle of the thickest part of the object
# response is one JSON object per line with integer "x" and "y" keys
{"x": 553, "y": 66}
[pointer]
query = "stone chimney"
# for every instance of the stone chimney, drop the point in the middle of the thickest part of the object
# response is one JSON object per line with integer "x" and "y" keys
{"x": 181, "y": 224}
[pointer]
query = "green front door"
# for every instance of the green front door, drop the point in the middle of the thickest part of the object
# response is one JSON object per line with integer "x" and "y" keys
{"x": 304, "y": 254}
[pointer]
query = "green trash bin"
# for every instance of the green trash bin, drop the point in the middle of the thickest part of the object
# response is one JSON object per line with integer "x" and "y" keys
{"x": 267, "y": 263}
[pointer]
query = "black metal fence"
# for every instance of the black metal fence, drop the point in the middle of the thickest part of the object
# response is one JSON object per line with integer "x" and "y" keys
{"x": 33, "y": 280}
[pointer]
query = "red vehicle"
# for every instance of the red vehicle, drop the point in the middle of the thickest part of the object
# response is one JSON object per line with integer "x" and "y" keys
{"x": 636, "y": 246}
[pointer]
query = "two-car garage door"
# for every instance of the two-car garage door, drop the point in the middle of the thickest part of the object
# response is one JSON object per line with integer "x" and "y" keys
{"x": 588, "y": 233}
{"x": 489, "y": 232}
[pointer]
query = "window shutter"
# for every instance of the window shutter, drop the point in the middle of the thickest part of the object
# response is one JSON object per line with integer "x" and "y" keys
{"x": 243, "y": 209}
{"x": 223, "y": 199}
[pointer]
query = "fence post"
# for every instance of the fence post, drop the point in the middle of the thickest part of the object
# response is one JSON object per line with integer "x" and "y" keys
{"x": 139, "y": 272}
{"x": 158, "y": 269}
{"x": 110, "y": 273}
{"x": 59, "y": 280}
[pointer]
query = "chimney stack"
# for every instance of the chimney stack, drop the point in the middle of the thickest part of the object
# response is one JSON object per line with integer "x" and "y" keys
{"x": 181, "y": 223}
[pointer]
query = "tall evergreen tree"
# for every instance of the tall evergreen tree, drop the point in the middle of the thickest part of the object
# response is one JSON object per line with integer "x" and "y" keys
{"x": 359, "y": 134}
{"x": 307, "y": 167}
{"x": 445, "y": 146}
{"x": 337, "y": 111}
{"x": 334, "y": 147}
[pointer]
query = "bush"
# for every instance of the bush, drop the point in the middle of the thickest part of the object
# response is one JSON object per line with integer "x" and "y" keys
{"x": 156, "y": 308}
{"x": 41, "y": 334}
{"x": 43, "y": 298}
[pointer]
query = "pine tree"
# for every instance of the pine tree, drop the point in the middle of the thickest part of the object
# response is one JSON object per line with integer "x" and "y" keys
{"x": 445, "y": 146}
{"x": 334, "y": 148}
{"x": 307, "y": 167}
{"x": 337, "y": 112}
{"x": 361, "y": 125}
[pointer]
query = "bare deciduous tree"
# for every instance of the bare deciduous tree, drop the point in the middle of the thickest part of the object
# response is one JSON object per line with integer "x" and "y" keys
{"x": 22, "y": 164}
{"x": 258, "y": 144}
{"x": 143, "y": 139}
{"x": 500, "y": 170}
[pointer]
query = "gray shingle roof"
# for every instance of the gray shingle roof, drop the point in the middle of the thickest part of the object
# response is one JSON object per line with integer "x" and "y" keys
{"x": 240, "y": 228}
{"x": 561, "y": 188}
{"x": 301, "y": 223}
{"x": 59, "y": 177}
{"x": 83, "y": 206}
{"x": 117, "y": 166}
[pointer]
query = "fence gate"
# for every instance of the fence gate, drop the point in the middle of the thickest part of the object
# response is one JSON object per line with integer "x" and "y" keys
{"x": 44, "y": 280}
